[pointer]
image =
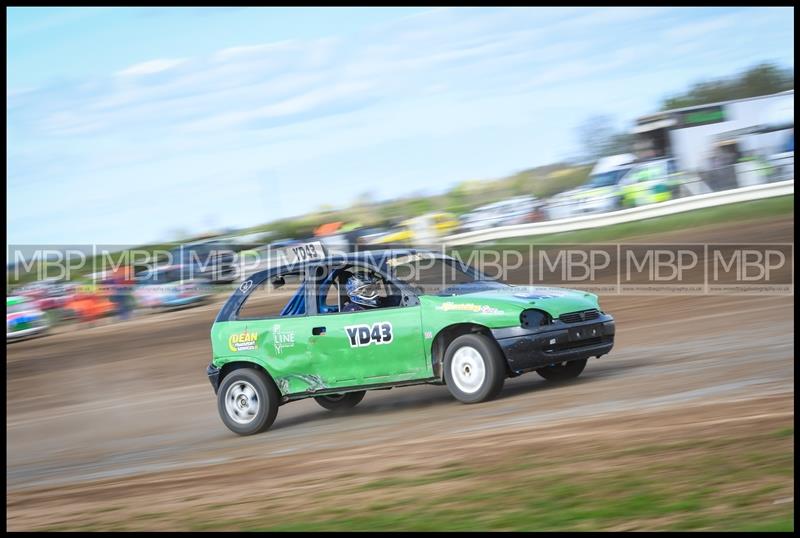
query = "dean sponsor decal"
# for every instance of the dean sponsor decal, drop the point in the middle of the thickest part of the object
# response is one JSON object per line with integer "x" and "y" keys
{"x": 281, "y": 338}
{"x": 364, "y": 335}
{"x": 468, "y": 307}
{"x": 243, "y": 341}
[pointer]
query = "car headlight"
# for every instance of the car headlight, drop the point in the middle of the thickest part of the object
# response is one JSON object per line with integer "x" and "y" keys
{"x": 530, "y": 319}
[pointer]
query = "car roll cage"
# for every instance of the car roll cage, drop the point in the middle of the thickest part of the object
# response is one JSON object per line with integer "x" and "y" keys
{"x": 305, "y": 299}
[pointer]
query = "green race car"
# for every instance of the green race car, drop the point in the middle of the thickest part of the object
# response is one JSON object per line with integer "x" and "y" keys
{"x": 284, "y": 334}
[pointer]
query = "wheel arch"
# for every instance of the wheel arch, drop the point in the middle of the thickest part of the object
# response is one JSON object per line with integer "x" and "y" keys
{"x": 238, "y": 363}
{"x": 450, "y": 333}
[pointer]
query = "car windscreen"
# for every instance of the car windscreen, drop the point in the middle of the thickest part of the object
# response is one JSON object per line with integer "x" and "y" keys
{"x": 440, "y": 276}
{"x": 606, "y": 179}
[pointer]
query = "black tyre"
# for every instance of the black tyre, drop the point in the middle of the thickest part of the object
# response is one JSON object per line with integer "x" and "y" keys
{"x": 340, "y": 402}
{"x": 474, "y": 368}
{"x": 247, "y": 401}
{"x": 562, "y": 371}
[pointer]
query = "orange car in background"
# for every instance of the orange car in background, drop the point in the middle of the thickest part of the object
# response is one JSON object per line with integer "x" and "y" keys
{"x": 90, "y": 305}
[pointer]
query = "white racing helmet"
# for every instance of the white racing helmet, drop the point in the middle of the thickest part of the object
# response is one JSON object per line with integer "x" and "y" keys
{"x": 363, "y": 290}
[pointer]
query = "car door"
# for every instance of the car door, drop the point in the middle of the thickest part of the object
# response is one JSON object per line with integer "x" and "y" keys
{"x": 648, "y": 184}
{"x": 271, "y": 327}
{"x": 378, "y": 345}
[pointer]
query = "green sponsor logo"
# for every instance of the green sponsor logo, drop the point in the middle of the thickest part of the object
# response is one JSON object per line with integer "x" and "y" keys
{"x": 703, "y": 116}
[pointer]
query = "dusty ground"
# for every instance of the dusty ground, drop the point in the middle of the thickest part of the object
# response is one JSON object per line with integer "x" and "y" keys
{"x": 116, "y": 426}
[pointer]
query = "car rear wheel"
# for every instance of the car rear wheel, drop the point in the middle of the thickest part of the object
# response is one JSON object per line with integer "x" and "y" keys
{"x": 562, "y": 371}
{"x": 474, "y": 368}
{"x": 340, "y": 402}
{"x": 247, "y": 401}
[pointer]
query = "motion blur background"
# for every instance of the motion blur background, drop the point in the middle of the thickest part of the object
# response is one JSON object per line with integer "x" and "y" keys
{"x": 169, "y": 153}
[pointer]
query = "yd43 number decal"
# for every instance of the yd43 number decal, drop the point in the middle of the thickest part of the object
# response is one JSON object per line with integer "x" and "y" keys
{"x": 364, "y": 335}
{"x": 304, "y": 252}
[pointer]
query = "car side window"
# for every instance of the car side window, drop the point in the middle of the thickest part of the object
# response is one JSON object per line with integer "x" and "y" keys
{"x": 335, "y": 298}
{"x": 279, "y": 296}
{"x": 628, "y": 178}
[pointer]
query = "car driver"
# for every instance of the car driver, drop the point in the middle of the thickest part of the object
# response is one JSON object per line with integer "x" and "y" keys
{"x": 362, "y": 292}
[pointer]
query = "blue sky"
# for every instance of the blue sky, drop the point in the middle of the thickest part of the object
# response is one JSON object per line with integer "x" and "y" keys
{"x": 125, "y": 125}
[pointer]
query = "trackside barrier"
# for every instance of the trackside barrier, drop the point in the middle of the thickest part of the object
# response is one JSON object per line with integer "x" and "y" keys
{"x": 661, "y": 209}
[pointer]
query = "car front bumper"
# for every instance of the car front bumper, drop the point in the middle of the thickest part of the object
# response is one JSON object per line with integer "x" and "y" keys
{"x": 529, "y": 349}
{"x": 213, "y": 376}
{"x": 597, "y": 205}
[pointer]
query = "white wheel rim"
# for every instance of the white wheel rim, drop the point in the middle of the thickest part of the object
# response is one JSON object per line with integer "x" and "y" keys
{"x": 241, "y": 402}
{"x": 468, "y": 369}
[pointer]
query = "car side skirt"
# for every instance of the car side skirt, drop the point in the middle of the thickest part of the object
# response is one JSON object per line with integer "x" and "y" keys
{"x": 355, "y": 388}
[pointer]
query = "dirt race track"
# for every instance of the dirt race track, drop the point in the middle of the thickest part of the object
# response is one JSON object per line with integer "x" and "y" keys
{"x": 110, "y": 424}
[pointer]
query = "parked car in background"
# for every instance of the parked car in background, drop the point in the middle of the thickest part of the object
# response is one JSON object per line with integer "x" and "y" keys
{"x": 369, "y": 236}
{"x": 783, "y": 160}
{"x": 212, "y": 260}
{"x": 421, "y": 230}
{"x": 163, "y": 288}
{"x": 620, "y": 183}
{"x": 517, "y": 210}
{"x": 24, "y": 319}
{"x": 90, "y": 302}
{"x": 336, "y": 236}
{"x": 598, "y": 194}
{"x": 649, "y": 182}
{"x": 49, "y": 295}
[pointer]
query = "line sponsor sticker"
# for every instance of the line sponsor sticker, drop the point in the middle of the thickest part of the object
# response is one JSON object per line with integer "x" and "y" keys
{"x": 281, "y": 338}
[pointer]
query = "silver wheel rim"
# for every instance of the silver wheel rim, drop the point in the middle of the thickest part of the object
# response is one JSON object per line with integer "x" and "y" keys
{"x": 241, "y": 402}
{"x": 468, "y": 369}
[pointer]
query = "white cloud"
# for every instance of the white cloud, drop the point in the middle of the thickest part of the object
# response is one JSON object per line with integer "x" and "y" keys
{"x": 152, "y": 67}
{"x": 297, "y": 105}
{"x": 703, "y": 28}
{"x": 245, "y": 51}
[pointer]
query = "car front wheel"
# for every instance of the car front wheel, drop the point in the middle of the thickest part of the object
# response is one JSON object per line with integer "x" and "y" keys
{"x": 247, "y": 401}
{"x": 340, "y": 402}
{"x": 474, "y": 370}
{"x": 562, "y": 371}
